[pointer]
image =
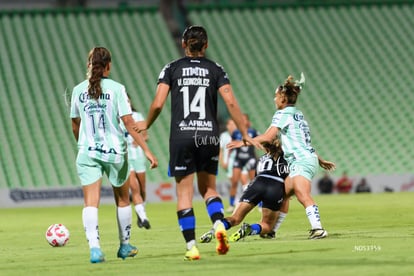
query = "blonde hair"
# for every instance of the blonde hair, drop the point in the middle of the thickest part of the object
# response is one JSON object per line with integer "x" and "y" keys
{"x": 273, "y": 148}
{"x": 290, "y": 89}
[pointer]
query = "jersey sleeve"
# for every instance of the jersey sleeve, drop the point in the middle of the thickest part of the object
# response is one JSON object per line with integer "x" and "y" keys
{"x": 74, "y": 108}
{"x": 222, "y": 76}
{"x": 165, "y": 76}
{"x": 123, "y": 104}
{"x": 279, "y": 120}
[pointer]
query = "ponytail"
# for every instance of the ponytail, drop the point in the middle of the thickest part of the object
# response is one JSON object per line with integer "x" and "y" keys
{"x": 98, "y": 60}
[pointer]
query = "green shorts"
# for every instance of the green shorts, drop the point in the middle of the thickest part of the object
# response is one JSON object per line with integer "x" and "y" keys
{"x": 305, "y": 167}
{"x": 90, "y": 170}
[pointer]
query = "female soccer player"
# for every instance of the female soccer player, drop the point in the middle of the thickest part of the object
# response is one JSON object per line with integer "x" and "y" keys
{"x": 267, "y": 187}
{"x": 137, "y": 175}
{"x": 244, "y": 164}
{"x": 290, "y": 124}
{"x": 97, "y": 105}
{"x": 194, "y": 82}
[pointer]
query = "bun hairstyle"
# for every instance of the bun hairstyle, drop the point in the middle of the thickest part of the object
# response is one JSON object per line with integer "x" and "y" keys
{"x": 291, "y": 88}
{"x": 195, "y": 37}
{"x": 98, "y": 60}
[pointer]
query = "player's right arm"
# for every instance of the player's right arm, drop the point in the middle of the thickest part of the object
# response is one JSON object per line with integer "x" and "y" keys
{"x": 157, "y": 104}
{"x": 226, "y": 92}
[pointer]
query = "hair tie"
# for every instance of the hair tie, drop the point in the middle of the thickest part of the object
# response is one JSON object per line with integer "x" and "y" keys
{"x": 300, "y": 82}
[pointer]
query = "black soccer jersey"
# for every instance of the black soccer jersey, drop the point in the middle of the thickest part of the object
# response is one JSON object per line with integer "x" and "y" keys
{"x": 194, "y": 82}
{"x": 270, "y": 167}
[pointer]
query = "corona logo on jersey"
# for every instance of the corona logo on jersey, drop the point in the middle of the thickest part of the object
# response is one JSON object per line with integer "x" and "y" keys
{"x": 83, "y": 97}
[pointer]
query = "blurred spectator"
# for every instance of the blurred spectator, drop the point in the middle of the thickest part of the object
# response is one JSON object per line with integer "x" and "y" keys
{"x": 344, "y": 184}
{"x": 363, "y": 187}
{"x": 325, "y": 184}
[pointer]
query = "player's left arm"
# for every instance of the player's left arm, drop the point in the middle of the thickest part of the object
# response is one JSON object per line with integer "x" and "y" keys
{"x": 327, "y": 165}
{"x": 133, "y": 131}
{"x": 157, "y": 104}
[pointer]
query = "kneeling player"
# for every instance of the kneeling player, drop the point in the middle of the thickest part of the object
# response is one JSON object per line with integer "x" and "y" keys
{"x": 267, "y": 187}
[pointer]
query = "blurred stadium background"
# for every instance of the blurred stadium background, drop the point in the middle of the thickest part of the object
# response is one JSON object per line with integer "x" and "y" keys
{"x": 356, "y": 55}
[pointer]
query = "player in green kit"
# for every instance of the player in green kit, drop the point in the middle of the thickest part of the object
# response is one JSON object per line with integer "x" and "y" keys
{"x": 98, "y": 105}
{"x": 289, "y": 123}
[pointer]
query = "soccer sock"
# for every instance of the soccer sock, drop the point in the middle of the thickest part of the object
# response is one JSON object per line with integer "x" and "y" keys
{"x": 140, "y": 210}
{"x": 256, "y": 229}
{"x": 124, "y": 217}
{"x": 90, "y": 224}
{"x": 226, "y": 223}
{"x": 312, "y": 212}
{"x": 186, "y": 221}
{"x": 279, "y": 221}
{"x": 232, "y": 199}
{"x": 215, "y": 208}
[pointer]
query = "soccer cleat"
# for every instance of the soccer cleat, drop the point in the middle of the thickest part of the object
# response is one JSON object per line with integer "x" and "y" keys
{"x": 207, "y": 236}
{"x": 143, "y": 223}
{"x": 96, "y": 255}
{"x": 316, "y": 234}
{"x": 244, "y": 231}
{"x": 222, "y": 244}
{"x": 127, "y": 250}
{"x": 270, "y": 235}
{"x": 192, "y": 254}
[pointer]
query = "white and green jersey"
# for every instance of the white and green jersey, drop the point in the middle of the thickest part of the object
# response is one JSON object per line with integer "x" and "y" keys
{"x": 100, "y": 133}
{"x": 295, "y": 134}
{"x": 134, "y": 152}
{"x": 225, "y": 138}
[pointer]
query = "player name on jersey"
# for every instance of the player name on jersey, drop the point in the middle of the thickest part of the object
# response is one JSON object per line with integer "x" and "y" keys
{"x": 193, "y": 81}
{"x": 194, "y": 76}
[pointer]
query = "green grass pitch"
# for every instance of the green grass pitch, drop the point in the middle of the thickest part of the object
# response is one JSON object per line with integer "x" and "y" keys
{"x": 369, "y": 234}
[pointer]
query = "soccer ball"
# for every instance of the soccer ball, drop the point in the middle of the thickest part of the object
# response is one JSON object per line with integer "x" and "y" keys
{"x": 57, "y": 235}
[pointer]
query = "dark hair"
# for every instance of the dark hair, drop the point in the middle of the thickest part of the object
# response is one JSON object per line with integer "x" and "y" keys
{"x": 98, "y": 59}
{"x": 290, "y": 89}
{"x": 274, "y": 148}
{"x": 195, "y": 37}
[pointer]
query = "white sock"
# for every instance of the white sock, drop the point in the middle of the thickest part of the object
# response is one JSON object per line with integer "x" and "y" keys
{"x": 217, "y": 223}
{"x": 124, "y": 217}
{"x": 279, "y": 221}
{"x": 90, "y": 224}
{"x": 190, "y": 244}
{"x": 312, "y": 212}
{"x": 140, "y": 210}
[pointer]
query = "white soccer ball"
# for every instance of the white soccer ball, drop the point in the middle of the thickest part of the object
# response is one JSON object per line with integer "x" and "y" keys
{"x": 57, "y": 235}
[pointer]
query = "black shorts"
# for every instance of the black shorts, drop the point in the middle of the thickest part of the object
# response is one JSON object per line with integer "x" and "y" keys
{"x": 186, "y": 157}
{"x": 248, "y": 164}
{"x": 268, "y": 190}
{"x": 245, "y": 158}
